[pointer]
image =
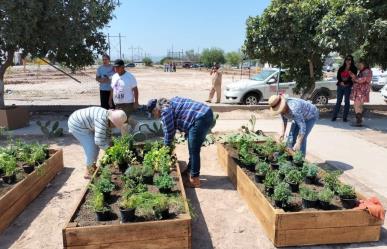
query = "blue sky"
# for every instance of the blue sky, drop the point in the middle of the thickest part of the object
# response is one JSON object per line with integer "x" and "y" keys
{"x": 156, "y": 25}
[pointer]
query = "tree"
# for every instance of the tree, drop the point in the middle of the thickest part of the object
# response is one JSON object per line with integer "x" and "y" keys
{"x": 285, "y": 35}
{"x": 233, "y": 58}
{"x": 191, "y": 56}
{"x": 68, "y": 32}
{"x": 165, "y": 60}
{"x": 212, "y": 56}
{"x": 147, "y": 61}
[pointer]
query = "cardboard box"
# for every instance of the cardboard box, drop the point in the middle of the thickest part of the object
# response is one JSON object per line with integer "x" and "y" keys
{"x": 14, "y": 117}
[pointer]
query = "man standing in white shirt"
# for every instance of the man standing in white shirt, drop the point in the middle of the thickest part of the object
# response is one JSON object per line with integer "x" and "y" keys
{"x": 124, "y": 89}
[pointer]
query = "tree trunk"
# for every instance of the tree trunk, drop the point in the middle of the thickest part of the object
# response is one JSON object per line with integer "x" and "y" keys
{"x": 308, "y": 91}
{"x": 3, "y": 69}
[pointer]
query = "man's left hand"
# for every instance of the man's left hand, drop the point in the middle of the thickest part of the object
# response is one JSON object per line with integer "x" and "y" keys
{"x": 297, "y": 146}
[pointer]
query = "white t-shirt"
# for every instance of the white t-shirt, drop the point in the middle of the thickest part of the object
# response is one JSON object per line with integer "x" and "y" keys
{"x": 122, "y": 86}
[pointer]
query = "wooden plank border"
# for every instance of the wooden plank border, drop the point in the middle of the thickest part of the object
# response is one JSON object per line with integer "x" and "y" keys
{"x": 25, "y": 191}
{"x": 300, "y": 228}
{"x": 163, "y": 234}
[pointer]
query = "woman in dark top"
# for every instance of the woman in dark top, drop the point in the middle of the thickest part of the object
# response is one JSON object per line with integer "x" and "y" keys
{"x": 344, "y": 86}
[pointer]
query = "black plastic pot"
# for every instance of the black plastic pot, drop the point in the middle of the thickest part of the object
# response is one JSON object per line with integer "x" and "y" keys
{"x": 9, "y": 179}
{"x": 269, "y": 191}
{"x": 325, "y": 205}
{"x": 348, "y": 203}
{"x": 274, "y": 166}
{"x": 309, "y": 204}
{"x": 165, "y": 214}
{"x": 147, "y": 179}
{"x": 127, "y": 215}
{"x": 310, "y": 180}
{"x": 28, "y": 168}
{"x": 298, "y": 163}
{"x": 106, "y": 196}
{"x": 47, "y": 151}
{"x": 1, "y": 172}
{"x": 279, "y": 204}
{"x": 281, "y": 176}
{"x": 165, "y": 190}
{"x": 294, "y": 187}
{"x": 262, "y": 158}
{"x": 250, "y": 167}
{"x": 103, "y": 216}
{"x": 123, "y": 167}
{"x": 290, "y": 158}
{"x": 259, "y": 178}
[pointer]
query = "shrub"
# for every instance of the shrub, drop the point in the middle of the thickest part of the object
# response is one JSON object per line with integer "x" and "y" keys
{"x": 8, "y": 164}
{"x": 346, "y": 192}
{"x": 271, "y": 179}
{"x": 164, "y": 182}
{"x": 285, "y": 167}
{"x": 262, "y": 168}
{"x": 282, "y": 192}
{"x": 309, "y": 170}
{"x": 298, "y": 157}
{"x": 294, "y": 177}
{"x": 102, "y": 185}
{"x": 326, "y": 195}
{"x": 97, "y": 202}
{"x": 331, "y": 180}
{"x": 308, "y": 194}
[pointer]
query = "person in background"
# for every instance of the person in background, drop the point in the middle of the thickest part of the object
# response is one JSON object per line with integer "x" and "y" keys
{"x": 344, "y": 86}
{"x": 104, "y": 76}
{"x": 124, "y": 91}
{"x": 303, "y": 115}
{"x": 216, "y": 79}
{"x": 92, "y": 128}
{"x": 361, "y": 89}
{"x": 188, "y": 116}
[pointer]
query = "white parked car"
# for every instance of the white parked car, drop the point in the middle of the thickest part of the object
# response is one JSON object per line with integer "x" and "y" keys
{"x": 384, "y": 93}
{"x": 379, "y": 79}
{"x": 261, "y": 86}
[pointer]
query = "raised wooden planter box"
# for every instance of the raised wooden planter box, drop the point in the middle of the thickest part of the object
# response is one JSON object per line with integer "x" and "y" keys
{"x": 25, "y": 191}
{"x": 300, "y": 228}
{"x": 163, "y": 234}
{"x": 14, "y": 117}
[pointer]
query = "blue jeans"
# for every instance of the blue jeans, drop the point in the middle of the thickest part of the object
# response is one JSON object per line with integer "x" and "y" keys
{"x": 295, "y": 129}
{"x": 346, "y": 92}
{"x": 196, "y": 136}
{"x": 86, "y": 139}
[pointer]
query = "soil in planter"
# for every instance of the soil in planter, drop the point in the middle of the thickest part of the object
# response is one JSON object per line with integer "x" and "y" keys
{"x": 87, "y": 217}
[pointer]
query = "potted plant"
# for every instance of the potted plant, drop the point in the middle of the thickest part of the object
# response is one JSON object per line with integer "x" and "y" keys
{"x": 103, "y": 185}
{"x": 271, "y": 180}
{"x": 325, "y": 197}
{"x": 98, "y": 205}
{"x": 127, "y": 208}
{"x": 310, "y": 172}
{"x": 331, "y": 180}
{"x": 164, "y": 183}
{"x": 298, "y": 159}
{"x": 309, "y": 197}
{"x": 10, "y": 169}
{"x": 145, "y": 212}
{"x": 347, "y": 196}
{"x": 284, "y": 168}
{"x": 261, "y": 170}
{"x": 135, "y": 173}
{"x": 281, "y": 194}
{"x": 294, "y": 178}
{"x": 161, "y": 206}
{"x": 147, "y": 174}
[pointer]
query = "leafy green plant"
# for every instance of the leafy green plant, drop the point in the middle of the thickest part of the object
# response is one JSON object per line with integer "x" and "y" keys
{"x": 102, "y": 185}
{"x": 285, "y": 167}
{"x": 135, "y": 172}
{"x": 346, "y": 192}
{"x": 156, "y": 129}
{"x": 282, "y": 192}
{"x": 147, "y": 171}
{"x": 262, "y": 168}
{"x": 164, "y": 182}
{"x": 309, "y": 170}
{"x": 97, "y": 202}
{"x": 331, "y": 179}
{"x": 326, "y": 195}
{"x": 298, "y": 157}
{"x": 53, "y": 131}
{"x": 293, "y": 177}
{"x": 308, "y": 194}
{"x": 8, "y": 164}
{"x": 271, "y": 179}
{"x": 159, "y": 159}
{"x": 146, "y": 211}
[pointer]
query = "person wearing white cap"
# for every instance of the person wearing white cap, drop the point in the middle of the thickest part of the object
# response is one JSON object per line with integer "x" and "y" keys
{"x": 92, "y": 128}
{"x": 304, "y": 115}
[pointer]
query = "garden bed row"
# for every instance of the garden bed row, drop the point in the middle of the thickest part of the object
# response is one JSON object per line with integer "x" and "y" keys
{"x": 140, "y": 207}
{"x": 295, "y": 224}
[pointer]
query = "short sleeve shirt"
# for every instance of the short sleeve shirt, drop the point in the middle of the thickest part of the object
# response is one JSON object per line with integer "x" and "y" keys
{"x": 122, "y": 86}
{"x": 105, "y": 71}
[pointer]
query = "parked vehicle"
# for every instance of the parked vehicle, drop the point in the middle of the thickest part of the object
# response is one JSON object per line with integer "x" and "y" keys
{"x": 130, "y": 65}
{"x": 384, "y": 93}
{"x": 379, "y": 79}
{"x": 261, "y": 86}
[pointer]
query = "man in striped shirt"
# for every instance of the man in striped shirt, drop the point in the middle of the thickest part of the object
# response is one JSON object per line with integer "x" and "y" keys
{"x": 92, "y": 128}
{"x": 188, "y": 116}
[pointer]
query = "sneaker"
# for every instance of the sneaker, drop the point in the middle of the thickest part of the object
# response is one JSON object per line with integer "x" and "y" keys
{"x": 208, "y": 101}
{"x": 192, "y": 182}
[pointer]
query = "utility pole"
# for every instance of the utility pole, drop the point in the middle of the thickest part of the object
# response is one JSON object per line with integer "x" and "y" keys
{"x": 109, "y": 44}
{"x": 119, "y": 38}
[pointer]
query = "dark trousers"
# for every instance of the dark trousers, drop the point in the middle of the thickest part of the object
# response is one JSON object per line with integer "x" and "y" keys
{"x": 346, "y": 93}
{"x": 104, "y": 97}
{"x": 196, "y": 136}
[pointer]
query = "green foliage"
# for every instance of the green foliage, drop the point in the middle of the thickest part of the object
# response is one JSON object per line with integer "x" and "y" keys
{"x": 147, "y": 61}
{"x": 234, "y": 58}
{"x": 164, "y": 182}
{"x": 282, "y": 192}
{"x": 271, "y": 179}
{"x": 308, "y": 194}
{"x": 262, "y": 168}
{"x": 346, "y": 191}
{"x": 158, "y": 159}
{"x": 103, "y": 185}
{"x": 294, "y": 177}
{"x": 212, "y": 56}
{"x": 309, "y": 170}
{"x": 97, "y": 202}
{"x": 331, "y": 179}
{"x": 326, "y": 195}
{"x": 156, "y": 129}
{"x": 54, "y": 131}
{"x": 8, "y": 164}
{"x": 298, "y": 157}
{"x": 121, "y": 152}
{"x": 285, "y": 168}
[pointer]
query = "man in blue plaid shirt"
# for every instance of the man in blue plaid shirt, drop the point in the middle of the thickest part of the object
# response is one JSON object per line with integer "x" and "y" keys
{"x": 188, "y": 116}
